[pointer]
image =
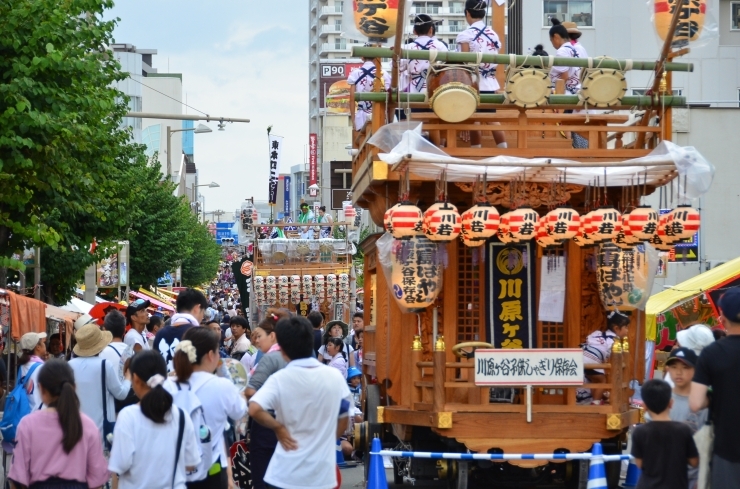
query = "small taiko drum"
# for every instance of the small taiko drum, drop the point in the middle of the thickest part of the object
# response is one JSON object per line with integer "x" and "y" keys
{"x": 454, "y": 93}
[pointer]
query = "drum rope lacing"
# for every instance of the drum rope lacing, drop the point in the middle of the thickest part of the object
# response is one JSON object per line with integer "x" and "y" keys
{"x": 581, "y": 99}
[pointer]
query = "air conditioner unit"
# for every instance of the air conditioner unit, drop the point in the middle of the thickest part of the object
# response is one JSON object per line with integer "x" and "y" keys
{"x": 714, "y": 263}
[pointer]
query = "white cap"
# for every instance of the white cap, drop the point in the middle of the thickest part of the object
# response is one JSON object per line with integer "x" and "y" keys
{"x": 83, "y": 320}
{"x": 30, "y": 340}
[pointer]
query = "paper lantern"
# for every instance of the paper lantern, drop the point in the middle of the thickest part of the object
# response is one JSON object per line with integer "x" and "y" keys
{"x": 442, "y": 222}
{"x": 562, "y": 223}
{"x": 416, "y": 273}
{"x": 331, "y": 280}
{"x": 690, "y": 24}
{"x": 665, "y": 230}
{"x": 308, "y": 286}
{"x": 502, "y": 233}
{"x": 659, "y": 243}
{"x": 387, "y": 218}
{"x": 643, "y": 222}
{"x": 624, "y": 238}
{"x": 319, "y": 287}
{"x": 623, "y": 277}
{"x": 542, "y": 237}
{"x": 405, "y": 221}
{"x": 522, "y": 223}
{"x": 606, "y": 222}
{"x": 376, "y": 19}
{"x": 684, "y": 221}
{"x": 481, "y": 221}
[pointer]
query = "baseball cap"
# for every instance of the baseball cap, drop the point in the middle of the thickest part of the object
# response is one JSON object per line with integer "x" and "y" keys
{"x": 137, "y": 306}
{"x": 729, "y": 303}
{"x": 30, "y": 340}
{"x": 685, "y": 355}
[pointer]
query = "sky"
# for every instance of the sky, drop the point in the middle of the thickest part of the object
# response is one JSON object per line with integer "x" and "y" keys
{"x": 237, "y": 59}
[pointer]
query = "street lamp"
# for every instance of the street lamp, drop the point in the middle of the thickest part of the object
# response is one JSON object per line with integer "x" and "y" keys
{"x": 194, "y": 193}
{"x": 201, "y": 129}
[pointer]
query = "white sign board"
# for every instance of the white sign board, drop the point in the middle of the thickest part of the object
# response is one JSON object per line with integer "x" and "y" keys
{"x": 529, "y": 367}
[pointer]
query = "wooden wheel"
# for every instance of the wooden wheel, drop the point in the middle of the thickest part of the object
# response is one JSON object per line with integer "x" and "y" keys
{"x": 460, "y": 352}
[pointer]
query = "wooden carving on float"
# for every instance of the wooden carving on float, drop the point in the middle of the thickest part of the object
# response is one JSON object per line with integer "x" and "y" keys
{"x": 592, "y": 313}
{"x": 538, "y": 194}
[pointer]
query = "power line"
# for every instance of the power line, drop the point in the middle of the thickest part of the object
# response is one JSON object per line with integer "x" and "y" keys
{"x": 162, "y": 93}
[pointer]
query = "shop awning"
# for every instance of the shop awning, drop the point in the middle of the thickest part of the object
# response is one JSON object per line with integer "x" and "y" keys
{"x": 693, "y": 287}
{"x": 154, "y": 301}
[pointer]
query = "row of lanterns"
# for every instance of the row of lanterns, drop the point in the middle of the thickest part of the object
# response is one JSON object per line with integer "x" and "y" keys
{"x": 442, "y": 222}
{"x": 272, "y": 290}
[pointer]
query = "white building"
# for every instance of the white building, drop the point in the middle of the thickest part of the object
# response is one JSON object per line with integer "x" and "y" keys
{"x": 138, "y": 64}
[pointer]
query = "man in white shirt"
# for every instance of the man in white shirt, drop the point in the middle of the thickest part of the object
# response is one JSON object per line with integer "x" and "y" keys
{"x": 116, "y": 352}
{"x": 361, "y": 80}
{"x": 305, "y": 455}
{"x": 479, "y": 38}
{"x": 138, "y": 317}
{"x": 89, "y": 374}
{"x": 417, "y": 69}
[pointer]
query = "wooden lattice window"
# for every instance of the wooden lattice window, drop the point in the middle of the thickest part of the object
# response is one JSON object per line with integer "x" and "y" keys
{"x": 469, "y": 295}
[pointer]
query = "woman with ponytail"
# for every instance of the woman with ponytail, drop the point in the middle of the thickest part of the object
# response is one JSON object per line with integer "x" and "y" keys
{"x": 196, "y": 358}
{"x": 142, "y": 430}
{"x": 58, "y": 446}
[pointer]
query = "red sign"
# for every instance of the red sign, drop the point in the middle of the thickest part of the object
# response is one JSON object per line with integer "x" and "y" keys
{"x": 313, "y": 147}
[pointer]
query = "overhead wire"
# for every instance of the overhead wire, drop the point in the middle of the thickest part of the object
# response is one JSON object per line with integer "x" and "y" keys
{"x": 162, "y": 93}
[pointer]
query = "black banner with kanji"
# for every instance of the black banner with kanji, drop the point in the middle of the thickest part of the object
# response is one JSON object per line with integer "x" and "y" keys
{"x": 510, "y": 283}
{"x": 242, "y": 270}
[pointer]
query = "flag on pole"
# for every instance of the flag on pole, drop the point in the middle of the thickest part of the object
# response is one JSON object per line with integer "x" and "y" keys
{"x": 276, "y": 145}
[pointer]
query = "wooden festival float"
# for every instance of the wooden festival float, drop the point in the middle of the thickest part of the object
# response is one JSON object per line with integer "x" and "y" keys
{"x": 514, "y": 254}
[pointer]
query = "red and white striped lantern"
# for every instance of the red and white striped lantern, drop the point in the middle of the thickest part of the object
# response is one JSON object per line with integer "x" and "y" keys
{"x": 522, "y": 223}
{"x": 562, "y": 223}
{"x": 684, "y": 221}
{"x": 659, "y": 243}
{"x": 442, "y": 222}
{"x": 502, "y": 233}
{"x": 643, "y": 222}
{"x": 606, "y": 222}
{"x": 405, "y": 221}
{"x": 481, "y": 221}
{"x": 665, "y": 230}
{"x": 387, "y": 218}
{"x": 542, "y": 238}
{"x": 307, "y": 286}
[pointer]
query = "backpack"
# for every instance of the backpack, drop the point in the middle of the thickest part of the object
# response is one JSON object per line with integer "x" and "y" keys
{"x": 187, "y": 401}
{"x": 17, "y": 405}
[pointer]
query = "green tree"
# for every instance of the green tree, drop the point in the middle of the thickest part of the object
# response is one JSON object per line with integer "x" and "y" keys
{"x": 202, "y": 264}
{"x": 160, "y": 237}
{"x": 61, "y": 144}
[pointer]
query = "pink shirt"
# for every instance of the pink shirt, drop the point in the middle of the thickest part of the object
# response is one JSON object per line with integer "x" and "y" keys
{"x": 39, "y": 455}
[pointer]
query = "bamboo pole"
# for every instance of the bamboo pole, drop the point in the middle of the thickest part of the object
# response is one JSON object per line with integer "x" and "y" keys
{"x": 627, "y": 101}
{"x": 398, "y": 42}
{"x": 368, "y": 52}
{"x": 660, "y": 67}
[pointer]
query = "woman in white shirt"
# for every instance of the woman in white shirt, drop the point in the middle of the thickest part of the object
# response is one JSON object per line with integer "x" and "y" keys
{"x": 143, "y": 429}
{"x": 196, "y": 357}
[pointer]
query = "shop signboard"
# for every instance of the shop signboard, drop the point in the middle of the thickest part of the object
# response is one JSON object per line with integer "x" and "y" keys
{"x": 334, "y": 89}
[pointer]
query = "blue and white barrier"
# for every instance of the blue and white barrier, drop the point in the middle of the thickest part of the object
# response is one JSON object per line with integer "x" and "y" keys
{"x": 596, "y": 475}
{"x": 501, "y": 456}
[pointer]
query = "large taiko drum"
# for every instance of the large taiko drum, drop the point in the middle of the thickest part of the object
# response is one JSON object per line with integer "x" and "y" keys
{"x": 454, "y": 92}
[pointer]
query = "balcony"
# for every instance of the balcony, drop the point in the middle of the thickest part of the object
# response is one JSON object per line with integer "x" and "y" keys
{"x": 450, "y": 29}
{"x": 437, "y": 10}
{"x": 330, "y": 10}
{"x": 330, "y": 29}
{"x": 334, "y": 47}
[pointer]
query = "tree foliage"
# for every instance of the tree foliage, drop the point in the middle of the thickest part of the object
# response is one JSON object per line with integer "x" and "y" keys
{"x": 62, "y": 149}
{"x": 202, "y": 265}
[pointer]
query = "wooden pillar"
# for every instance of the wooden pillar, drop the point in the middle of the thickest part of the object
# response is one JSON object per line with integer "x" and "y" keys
{"x": 617, "y": 377}
{"x": 439, "y": 380}
{"x": 498, "y": 24}
{"x": 416, "y": 357}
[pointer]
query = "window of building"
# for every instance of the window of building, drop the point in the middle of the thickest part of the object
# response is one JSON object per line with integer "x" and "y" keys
{"x": 457, "y": 25}
{"x": 338, "y": 6}
{"x": 578, "y": 11}
{"x": 735, "y": 15}
{"x": 457, "y": 7}
{"x": 452, "y": 44}
{"x": 340, "y": 44}
{"x": 427, "y": 7}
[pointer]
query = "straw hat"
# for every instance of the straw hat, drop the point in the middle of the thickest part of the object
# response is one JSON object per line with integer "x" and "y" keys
{"x": 571, "y": 27}
{"x": 91, "y": 340}
{"x": 345, "y": 327}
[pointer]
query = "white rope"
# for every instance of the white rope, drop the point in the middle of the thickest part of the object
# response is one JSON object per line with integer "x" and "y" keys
{"x": 432, "y": 56}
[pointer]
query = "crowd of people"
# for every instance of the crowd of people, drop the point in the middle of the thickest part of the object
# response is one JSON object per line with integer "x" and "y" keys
{"x": 137, "y": 387}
